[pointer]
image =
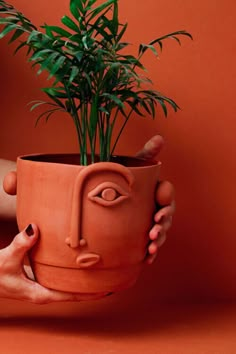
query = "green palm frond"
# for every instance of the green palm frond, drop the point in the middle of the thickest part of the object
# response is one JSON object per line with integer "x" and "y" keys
{"x": 93, "y": 80}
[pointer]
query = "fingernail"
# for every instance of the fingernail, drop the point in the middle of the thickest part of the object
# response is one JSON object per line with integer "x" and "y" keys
{"x": 29, "y": 230}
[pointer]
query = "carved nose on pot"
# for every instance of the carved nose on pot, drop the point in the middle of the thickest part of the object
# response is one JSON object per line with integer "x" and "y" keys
{"x": 74, "y": 238}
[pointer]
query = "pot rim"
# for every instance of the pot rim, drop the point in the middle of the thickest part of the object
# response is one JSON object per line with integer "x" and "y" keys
{"x": 74, "y": 159}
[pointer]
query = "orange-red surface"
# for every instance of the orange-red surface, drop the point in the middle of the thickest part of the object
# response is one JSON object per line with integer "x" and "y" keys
{"x": 200, "y": 140}
{"x": 108, "y": 329}
{"x": 198, "y": 262}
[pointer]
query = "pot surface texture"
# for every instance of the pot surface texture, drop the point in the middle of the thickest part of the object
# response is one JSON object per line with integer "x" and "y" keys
{"x": 93, "y": 220}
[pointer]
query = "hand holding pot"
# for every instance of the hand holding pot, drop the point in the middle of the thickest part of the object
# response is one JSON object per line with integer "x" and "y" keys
{"x": 16, "y": 278}
{"x": 164, "y": 198}
{"x": 15, "y": 283}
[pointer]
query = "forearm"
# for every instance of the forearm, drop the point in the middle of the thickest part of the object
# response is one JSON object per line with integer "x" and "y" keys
{"x": 7, "y": 202}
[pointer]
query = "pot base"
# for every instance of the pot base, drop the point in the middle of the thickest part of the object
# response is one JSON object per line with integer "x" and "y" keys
{"x": 86, "y": 281}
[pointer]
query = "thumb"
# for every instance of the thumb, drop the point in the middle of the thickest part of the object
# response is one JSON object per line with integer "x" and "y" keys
{"x": 22, "y": 243}
{"x": 152, "y": 148}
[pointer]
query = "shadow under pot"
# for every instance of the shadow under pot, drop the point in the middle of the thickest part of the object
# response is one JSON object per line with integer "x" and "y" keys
{"x": 93, "y": 220}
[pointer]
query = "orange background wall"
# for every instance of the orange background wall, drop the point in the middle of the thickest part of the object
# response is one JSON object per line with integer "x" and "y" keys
{"x": 198, "y": 260}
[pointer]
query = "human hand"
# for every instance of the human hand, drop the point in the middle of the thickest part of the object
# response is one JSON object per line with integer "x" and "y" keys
{"x": 7, "y": 202}
{"x": 164, "y": 199}
{"x": 15, "y": 282}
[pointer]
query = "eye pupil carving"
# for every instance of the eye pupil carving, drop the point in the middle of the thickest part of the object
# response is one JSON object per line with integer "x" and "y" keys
{"x": 109, "y": 194}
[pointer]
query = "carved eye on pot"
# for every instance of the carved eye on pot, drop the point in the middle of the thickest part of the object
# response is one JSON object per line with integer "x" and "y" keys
{"x": 108, "y": 194}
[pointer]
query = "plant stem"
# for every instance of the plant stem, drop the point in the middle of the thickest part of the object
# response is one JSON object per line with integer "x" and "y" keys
{"x": 83, "y": 152}
{"x": 75, "y": 117}
{"x": 121, "y": 130}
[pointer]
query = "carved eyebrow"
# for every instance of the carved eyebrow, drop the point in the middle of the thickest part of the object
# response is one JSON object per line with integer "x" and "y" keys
{"x": 95, "y": 194}
{"x": 74, "y": 235}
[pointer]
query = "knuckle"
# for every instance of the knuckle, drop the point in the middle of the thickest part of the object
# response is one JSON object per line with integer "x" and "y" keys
{"x": 20, "y": 242}
{"x": 17, "y": 242}
{"x": 5, "y": 261}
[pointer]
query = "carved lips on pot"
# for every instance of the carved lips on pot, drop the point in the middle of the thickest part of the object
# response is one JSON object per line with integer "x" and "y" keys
{"x": 93, "y": 220}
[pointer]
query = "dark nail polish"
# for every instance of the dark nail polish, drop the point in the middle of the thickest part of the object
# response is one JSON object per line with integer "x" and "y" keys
{"x": 29, "y": 230}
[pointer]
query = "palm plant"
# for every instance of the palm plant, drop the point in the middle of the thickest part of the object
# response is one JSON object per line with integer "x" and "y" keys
{"x": 92, "y": 80}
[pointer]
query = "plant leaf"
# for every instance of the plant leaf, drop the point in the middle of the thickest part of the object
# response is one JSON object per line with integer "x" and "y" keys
{"x": 57, "y": 30}
{"x": 9, "y": 28}
{"x": 100, "y": 8}
{"x": 114, "y": 98}
{"x": 67, "y": 21}
{"x": 143, "y": 47}
{"x": 76, "y": 8}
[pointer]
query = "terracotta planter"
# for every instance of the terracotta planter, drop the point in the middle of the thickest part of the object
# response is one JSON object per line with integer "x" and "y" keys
{"x": 93, "y": 220}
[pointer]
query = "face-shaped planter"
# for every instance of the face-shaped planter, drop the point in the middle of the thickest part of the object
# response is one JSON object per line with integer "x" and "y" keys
{"x": 94, "y": 221}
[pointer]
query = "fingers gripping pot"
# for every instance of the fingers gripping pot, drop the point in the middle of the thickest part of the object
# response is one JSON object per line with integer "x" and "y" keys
{"x": 93, "y": 220}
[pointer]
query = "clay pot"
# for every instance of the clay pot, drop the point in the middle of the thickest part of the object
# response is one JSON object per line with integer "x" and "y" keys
{"x": 93, "y": 220}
